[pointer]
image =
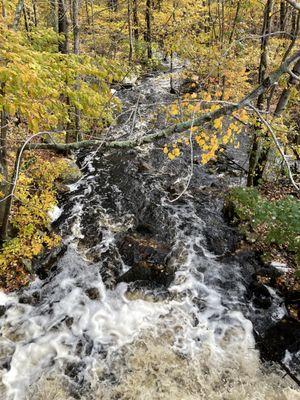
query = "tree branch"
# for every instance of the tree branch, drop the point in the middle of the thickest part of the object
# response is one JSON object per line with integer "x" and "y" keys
{"x": 294, "y": 4}
{"x": 276, "y": 141}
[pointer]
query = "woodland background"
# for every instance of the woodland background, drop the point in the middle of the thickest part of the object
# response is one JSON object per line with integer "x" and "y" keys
{"x": 59, "y": 60}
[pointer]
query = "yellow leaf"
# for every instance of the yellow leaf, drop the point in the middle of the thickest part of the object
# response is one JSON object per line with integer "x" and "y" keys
{"x": 218, "y": 123}
{"x": 176, "y": 152}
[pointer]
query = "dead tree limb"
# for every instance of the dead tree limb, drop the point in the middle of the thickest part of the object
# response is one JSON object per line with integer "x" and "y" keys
{"x": 294, "y": 4}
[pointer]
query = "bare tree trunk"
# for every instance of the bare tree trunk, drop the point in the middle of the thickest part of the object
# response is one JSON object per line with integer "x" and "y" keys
{"x": 87, "y": 11}
{"x": 18, "y": 13}
{"x": 26, "y": 22}
{"x": 148, "y": 35}
{"x": 283, "y": 9}
{"x": 76, "y": 36}
{"x": 63, "y": 27}
{"x": 172, "y": 89}
{"x": 53, "y": 15}
{"x": 76, "y": 29}
{"x": 3, "y": 163}
{"x": 285, "y": 95}
{"x": 129, "y": 16}
{"x": 4, "y": 187}
{"x": 35, "y": 17}
{"x": 9, "y": 202}
{"x": 264, "y": 49}
{"x": 3, "y": 10}
{"x": 237, "y": 11}
{"x": 256, "y": 164}
{"x": 135, "y": 20}
{"x": 295, "y": 26}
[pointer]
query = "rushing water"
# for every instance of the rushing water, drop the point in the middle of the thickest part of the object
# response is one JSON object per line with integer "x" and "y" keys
{"x": 191, "y": 339}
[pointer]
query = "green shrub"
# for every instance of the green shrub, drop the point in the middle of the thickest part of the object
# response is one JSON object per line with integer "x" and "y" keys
{"x": 270, "y": 221}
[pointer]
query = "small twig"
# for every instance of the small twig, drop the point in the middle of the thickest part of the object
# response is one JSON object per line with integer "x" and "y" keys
{"x": 293, "y": 75}
{"x": 135, "y": 114}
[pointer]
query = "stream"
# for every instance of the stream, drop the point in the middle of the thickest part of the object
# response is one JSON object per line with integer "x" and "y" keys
{"x": 147, "y": 298}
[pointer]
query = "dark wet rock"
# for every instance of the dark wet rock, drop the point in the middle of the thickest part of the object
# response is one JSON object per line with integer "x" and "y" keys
{"x": 147, "y": 259}
{"x": 176, "y": 188}
{"x": 148, "y": 291}
{"x": 220, "y": 240}
{"x": 144, "y": 229}
{"x": 5, "y": 363}
{"x": 270, "y": 273}
{"x": 74, "y": 371}
{"x": 93, "y": 293}
{"x": 31, "y": 299}
{"x": 260, "y": 295}
{"x": 293, "y": 297}
{"x": 147, "y": 272}
{"x": 136, "y": 248}
{"x": 229, "y": 211}
{"x": 111, "y": 267}
{"x": 84, "y": 346}
{"x": 189, "y": 86}
{"x": 144, "y": 167}
{"x": 285, "y": 335}
{"x": 46, "y": 263}
{"x": 69, "y": 321}
{"x": 2, "y": 310}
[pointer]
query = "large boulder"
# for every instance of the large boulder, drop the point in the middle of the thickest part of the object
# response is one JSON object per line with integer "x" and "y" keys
{"x": 147, "y": 258}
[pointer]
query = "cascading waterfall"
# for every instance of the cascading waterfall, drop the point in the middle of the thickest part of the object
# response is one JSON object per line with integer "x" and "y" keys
{"x": 82, "y": 333}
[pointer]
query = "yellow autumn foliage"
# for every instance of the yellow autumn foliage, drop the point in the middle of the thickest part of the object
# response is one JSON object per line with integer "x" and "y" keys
{"x": 35, "y": 196}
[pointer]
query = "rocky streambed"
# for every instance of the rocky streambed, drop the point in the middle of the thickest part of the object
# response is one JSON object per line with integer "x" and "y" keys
{"x": 148, "y": 298}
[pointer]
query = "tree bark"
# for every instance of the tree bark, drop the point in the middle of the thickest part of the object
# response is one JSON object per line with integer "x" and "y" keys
{"x": 18, "y": 13}
{"x": 76, "y": 34}
{"x": 130, "y": 33}
{"x": 76, "y": 28}
{"x": 3, "y": 161}
{"x": 135, "y": 20}
{"x": 284, "y": 97}
{"x": 35, "y": 16}
{"x": 63, "y": 27}
{"x": 294, "y": 4}
{"x": 26, "y": 22}
{"x": 87, "y": 12}
{"x": 9, "y": 201}
{"x": 53, "y": 15}
{"x": 3, "y": 10}
{"x": 256, "y": 165}
{"x": 148, "y": 36}
{"x": 283, "y": 8}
